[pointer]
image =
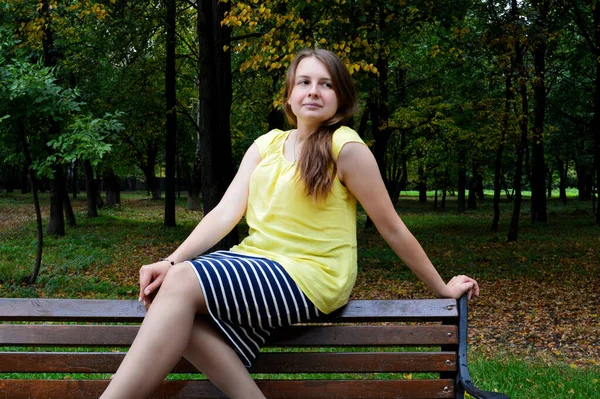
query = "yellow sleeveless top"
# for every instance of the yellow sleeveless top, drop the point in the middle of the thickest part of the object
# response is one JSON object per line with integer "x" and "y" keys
{"x": 315, "y": 242}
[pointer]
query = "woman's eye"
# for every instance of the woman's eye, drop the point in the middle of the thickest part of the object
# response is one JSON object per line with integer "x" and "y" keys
{"x": 303, "y": 82}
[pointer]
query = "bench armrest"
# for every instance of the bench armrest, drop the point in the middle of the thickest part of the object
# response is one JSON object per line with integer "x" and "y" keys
{"x": 464, "y": 378}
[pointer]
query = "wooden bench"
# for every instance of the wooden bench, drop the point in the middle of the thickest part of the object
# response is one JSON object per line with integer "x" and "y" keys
{"x": 369, "y": 333}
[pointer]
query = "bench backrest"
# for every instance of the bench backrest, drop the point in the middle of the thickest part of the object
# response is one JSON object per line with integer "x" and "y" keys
{"x": 367, "y": 353}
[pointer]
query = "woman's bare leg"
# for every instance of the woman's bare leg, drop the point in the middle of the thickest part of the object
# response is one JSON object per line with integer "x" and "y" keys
{"x": 215, "y": 358}
{"x": 162, "y": 338}
{"x": 170, "y": 328}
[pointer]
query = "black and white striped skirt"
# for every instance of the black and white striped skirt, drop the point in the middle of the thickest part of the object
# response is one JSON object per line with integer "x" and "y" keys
{"x": 248, "y": 297}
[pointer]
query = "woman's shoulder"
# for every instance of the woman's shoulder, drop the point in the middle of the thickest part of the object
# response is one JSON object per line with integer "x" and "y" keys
{"x": 270, "y": 140}
{"x": 341, "y": 136}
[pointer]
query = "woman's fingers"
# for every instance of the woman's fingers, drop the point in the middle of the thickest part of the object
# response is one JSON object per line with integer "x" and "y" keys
{"x": 465, "y": 284}
{"x": 151, "y": 278}
{"x": 145, "y": 280}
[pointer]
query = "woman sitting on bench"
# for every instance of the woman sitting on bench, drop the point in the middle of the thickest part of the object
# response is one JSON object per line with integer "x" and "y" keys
{"x": 298, "y": 190}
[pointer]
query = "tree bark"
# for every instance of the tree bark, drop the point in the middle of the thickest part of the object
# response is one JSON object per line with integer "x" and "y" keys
{"x": 68, "y": 208}
{"x": 508, "y": 97}
{"x": 36, "y": 203}
{"x": 462, "y": 184}
{"x": 112, "y": 184}
{"x": 513, "y": 230}
{"x": 422, "y": 182}
{"x": 74, "y": 182}
{"x": 596, "y": 117}
{"x": 563, "y": 167}
{"x": 214, "y": 86}
{"x": 148, "y": 167}
{"x": 195, "y": 177}
{"x": 56, "y": 224}
{"x": 90, "y": 189}
{"x": 473, "y": 187}
{"x": 539, "y": 212}
{"x": 171, "y": 124}
{"x": 379, "y": 120}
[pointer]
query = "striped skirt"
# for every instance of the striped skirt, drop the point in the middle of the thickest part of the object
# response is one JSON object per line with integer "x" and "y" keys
{"x": 248, "y": 297}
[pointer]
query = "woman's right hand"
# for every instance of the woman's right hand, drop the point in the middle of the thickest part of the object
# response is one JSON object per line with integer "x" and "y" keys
{"x": 151, "y": 277}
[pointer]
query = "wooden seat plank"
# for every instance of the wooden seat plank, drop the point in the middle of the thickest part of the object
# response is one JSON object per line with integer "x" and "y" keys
{"x": 274, "y": 389}
{"x": 110, "y": 310}
{"x": 37, "y": 323}
{"x": 287, "y": 362}
{"x": 120, "y": 336}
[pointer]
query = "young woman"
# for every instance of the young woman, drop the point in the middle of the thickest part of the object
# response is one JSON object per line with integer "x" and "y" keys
{"x": 298, "y": 190}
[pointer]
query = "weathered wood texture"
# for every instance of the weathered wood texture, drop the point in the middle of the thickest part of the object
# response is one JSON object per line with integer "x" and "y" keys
{"x": 120, "y": 336}
{"x": 297, "y": 362}
{"x": 288, "y": 389}
{"x": 362, "y": 339}
{"x": 100, "y": 310}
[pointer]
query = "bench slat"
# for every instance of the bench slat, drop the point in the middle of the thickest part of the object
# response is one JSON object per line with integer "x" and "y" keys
{"x": 275, "y": 389}
{"x": 118, "y": 336}
{"x": 348, "y": 362}
{"x": 36, "y": 309}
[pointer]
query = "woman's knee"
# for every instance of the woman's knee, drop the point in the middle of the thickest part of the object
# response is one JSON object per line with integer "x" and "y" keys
{"x": 181, "y": 281}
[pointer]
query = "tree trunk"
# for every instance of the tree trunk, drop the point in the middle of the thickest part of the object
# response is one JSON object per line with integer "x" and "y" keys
{"x": 422, "y": 182}
{"x": 596, "y": 117}
{"x": 462, "y": 184}
{"x": 68, "y": 208}
{"x": 74, "y": 181}
{"x": 56, "y": 224}
{"x": 214, "y": 92}
{"x": 90, "y": 189}
{"x": 148, "y": 167}
{"x": 171, "y": 124}
{"x": 276, "y": 119}
{"x": 36, "y": 204}
{"x": 195, "y": 177}
{"x": 24, "y": 175}
{"x": 539, "y": 212}
{"x": 563, "y": 167}
{"x": 513, "y": 230}
{"x": 583, "y": 180}
{"x": 379, "y": 120}
{"x": 508, "y": 97}
{"x": 549, "y": 183}
{"x": 473, "y": 187}
{"x": 112, "y": 186}
{"x": 445, "y": 182}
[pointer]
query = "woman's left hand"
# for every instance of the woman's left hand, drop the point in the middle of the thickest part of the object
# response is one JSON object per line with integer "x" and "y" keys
{"x": 459, "y": 285}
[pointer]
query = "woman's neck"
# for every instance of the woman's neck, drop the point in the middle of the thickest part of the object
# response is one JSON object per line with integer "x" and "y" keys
{"x": 304, "y": 131}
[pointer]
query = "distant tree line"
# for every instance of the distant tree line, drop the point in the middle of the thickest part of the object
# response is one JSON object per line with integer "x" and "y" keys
{"x": 455, "y": 96}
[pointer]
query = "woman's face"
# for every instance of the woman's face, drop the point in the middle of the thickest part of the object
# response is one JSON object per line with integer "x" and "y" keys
{"x": 313, "y": 99}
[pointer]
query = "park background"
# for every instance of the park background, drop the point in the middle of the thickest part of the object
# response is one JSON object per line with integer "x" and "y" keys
{"x": 122, "y": 122}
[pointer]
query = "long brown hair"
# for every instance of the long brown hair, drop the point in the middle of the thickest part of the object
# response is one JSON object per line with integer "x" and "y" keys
{"x": 316, "y": 165}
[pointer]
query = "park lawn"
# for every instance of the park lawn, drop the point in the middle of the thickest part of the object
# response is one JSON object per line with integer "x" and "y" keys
{"x": 536, "y": 327}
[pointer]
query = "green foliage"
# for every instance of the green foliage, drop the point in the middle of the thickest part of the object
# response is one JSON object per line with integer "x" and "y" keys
{"x": 86, "y": 138}
{"x": 30, "y": 90}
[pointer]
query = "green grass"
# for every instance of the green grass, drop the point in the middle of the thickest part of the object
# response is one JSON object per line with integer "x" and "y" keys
{"x": 533, "y": 379}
